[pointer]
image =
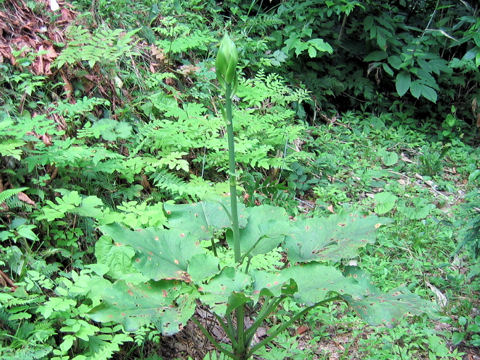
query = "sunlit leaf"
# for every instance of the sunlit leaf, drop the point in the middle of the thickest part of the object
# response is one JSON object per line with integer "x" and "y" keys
{"x": 330, "y": 239}
{"x": 164, "y": 303}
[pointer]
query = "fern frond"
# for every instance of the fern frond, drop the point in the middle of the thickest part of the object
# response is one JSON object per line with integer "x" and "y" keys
{"x": 31, "y": 352}
{"x": 5, "y": 320}
{"x": 167, "y": 181}
{"x": 263, "y": 22}
{"x": 6, "y": 194}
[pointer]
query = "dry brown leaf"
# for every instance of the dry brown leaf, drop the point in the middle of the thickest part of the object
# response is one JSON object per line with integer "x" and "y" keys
{"x": 188, "y": 69}
{"x": 24, "y": 197}
{"x": 157, "y": 53}
{"x": 47, "y": 139}
{"x": 302, "y": 329}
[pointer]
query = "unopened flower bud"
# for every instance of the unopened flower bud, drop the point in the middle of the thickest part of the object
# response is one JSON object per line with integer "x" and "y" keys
{"x": 226, "y": 63}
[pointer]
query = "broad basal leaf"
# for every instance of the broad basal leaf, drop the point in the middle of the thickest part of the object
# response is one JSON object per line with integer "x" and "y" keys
{"x": 217, "y": 292}
{"x": 204, "y": 217}
{"x": 164, "y": 303}
{"x": 117, "y": 258}
{"x": 376, "y": 307}
{"x": 202, "y": 267}
{"x": 265, "y": 230}
{"x": 330, "y": 239}
{"x": 160, "y": 254}
{"x": 314, "y": 282}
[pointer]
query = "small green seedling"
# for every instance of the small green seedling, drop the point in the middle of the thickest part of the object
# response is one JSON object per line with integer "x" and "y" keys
{"x": 178, "y": 267}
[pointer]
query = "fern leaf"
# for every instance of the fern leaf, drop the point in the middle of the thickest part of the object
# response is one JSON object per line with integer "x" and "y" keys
{"x": 6, "y": 194}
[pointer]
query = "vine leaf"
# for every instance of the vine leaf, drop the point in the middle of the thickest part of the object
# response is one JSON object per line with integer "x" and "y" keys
{"x": 136, "y": 305}
{"x": 203, "y": 218}
{"x": 160, "y": 254}
{"x": 331, "y": 239}
{"x": 266, "y": 229}
{"x": 217, "y": 292}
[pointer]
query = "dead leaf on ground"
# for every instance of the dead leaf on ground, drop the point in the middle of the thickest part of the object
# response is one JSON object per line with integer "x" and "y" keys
{"x": 24, "y": 198}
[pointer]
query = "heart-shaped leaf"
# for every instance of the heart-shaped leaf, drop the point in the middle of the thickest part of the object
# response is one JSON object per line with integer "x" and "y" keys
{"x": 385, "y": 201}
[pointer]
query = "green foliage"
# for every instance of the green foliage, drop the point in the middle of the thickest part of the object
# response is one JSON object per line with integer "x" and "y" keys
{"x": 181, "y": 271}
{"x": 126, "y": 129}
{"x": 103, "y": 46}
{"x": 407, "y": 51}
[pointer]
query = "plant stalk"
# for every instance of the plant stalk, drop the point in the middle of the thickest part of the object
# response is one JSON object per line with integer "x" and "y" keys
{"x": 240, "y": 312}
{"x": 232, "y": 173}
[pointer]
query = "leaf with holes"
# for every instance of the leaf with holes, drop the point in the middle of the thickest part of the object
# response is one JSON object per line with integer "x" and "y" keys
{"x": 165, "y": 303}
{"x": 160, "y": 254}
{"x": 376, "y": 307}
{"x": 217, "y": 292}
{"x": 202, "y": 218}
{"x": 266, "y": 229}
{"x": 331, "y": 239}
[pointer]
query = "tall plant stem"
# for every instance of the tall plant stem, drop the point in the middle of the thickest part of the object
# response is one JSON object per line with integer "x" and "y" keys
{"x": 232, "y": 173}
{"x": 240, "y": 312}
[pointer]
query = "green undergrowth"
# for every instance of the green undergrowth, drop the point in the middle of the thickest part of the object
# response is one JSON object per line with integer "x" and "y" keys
{"x": 147, "y": 132}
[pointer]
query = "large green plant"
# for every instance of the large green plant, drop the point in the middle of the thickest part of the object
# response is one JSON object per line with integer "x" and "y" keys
{"x": 173, "y": 269}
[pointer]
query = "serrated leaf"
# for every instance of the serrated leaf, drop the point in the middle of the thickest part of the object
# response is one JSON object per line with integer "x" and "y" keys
{"x": 385, "y": 201}
{"x": 320, "y": 45}
{"x": 395, "y": 61}
{"x": 402, "y": 82}
{"x": 136, "y": 305}
{"x": 416, "y": 89}
{"x": 26, "y": 231}
{"x": 217, "y": 292}
{"x": 330, "y": 239}
{"x": 387, "y": 69}
{"x": 316, "y": 281}
{"x": 265, "y": 230}
{"x": 429, "y": 93}
{"x": 204, "y": 217}
{"x": 91, "y": 206}
{"x": 160, "y": 254}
